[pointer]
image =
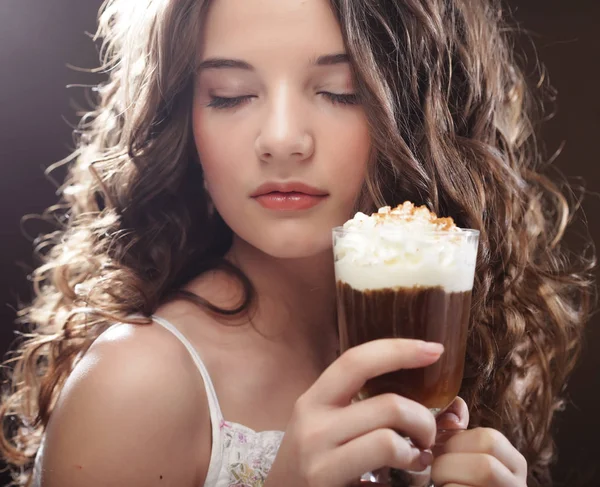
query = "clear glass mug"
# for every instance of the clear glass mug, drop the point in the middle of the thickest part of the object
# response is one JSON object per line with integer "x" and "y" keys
{"x": 395, "y": 284}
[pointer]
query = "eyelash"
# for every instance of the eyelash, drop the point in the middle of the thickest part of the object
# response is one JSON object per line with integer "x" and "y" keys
{"x": 224, "y": 103}
{"x": 341, "y": 99}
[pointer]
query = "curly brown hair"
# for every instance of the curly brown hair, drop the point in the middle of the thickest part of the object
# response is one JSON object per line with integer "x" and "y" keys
{"x": 451, "y": 120}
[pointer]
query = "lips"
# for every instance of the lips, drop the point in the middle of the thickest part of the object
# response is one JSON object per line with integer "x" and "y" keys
{"x": 288, "y": 188}
{"x": 288, "y": 196}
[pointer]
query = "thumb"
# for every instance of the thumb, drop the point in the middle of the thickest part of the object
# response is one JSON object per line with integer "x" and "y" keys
{"x": 456, "y": 416}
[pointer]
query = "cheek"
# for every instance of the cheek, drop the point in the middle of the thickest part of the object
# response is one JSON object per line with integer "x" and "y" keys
{"x": 222, "y": 155}
{"x": 351, "y": 149}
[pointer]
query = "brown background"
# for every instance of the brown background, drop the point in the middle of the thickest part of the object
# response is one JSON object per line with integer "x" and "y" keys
{"x": 39, "y": 37}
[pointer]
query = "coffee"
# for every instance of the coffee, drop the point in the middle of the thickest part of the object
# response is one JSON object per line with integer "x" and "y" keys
{"x": 405, "y": 273}
{"x": 430, "y": 314}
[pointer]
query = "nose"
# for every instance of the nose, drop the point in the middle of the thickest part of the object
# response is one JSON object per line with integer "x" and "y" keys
{"x": 284, "y": 135}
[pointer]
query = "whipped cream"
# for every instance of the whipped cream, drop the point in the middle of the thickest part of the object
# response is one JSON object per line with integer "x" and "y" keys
{"x": 405, "y": 247}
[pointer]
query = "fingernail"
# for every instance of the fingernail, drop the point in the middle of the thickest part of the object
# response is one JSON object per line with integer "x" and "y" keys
{"x": 426, "y": 458}
{"x": 432, "y": 348}
{"x": 453, "y": 418}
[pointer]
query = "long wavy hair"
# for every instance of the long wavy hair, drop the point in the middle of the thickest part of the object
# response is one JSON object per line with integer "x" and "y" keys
{"x": 452, "y": 122}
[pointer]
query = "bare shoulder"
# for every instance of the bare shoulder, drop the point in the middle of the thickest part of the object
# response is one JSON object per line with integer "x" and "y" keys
{"x": 133, "y": 412}
{"x": 139, "y": 362}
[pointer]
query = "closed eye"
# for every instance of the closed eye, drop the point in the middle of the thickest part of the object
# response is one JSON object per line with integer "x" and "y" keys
{"x": 223, "y": 103}
{"x": 340, "y": 98}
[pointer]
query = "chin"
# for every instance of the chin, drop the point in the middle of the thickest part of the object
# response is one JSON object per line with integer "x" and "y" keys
{"x": 298, "y": 237}
{"x": 284, "y": 247}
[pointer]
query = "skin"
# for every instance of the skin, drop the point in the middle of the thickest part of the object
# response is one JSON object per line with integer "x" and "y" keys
{"x": 281, "y": 372}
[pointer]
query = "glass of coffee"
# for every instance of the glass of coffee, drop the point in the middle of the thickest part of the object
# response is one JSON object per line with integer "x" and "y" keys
{"x": 404, "y": 273}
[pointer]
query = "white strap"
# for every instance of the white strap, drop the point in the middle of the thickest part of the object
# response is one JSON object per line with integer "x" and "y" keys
{"x": 216, "y": 416}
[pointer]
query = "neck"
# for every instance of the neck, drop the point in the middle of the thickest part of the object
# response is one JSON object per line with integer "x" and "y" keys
{"x": 295, "y": 297}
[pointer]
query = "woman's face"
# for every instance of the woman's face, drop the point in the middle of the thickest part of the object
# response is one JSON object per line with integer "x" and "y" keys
{"x": 283, "y": 144}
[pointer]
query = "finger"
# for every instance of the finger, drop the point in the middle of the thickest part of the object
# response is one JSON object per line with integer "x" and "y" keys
{"x": 367, "y": 453}
{"x": 456, "y": 416}
{"x": 344, "y": 378}
{"x": 474, "y": 469}
{"x": 452, "y": 421}
{"x": 407, "y": 417}
{"x": 490, "y": 442}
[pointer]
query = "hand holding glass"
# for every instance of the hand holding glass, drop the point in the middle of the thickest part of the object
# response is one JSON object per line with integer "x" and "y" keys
{"x": 423, "y": 293}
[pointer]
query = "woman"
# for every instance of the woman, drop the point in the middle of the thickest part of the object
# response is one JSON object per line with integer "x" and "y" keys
{"x": 209, "y": 105}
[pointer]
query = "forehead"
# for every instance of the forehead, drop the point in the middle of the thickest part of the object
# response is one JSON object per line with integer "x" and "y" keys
{"x": 285, "y": 27}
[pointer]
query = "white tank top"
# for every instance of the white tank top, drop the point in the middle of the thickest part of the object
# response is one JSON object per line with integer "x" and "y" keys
{"x": 240, "y": 456}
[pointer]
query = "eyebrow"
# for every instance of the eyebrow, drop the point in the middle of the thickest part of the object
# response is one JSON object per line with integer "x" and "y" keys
{"x": 332, "y": 59}
{"x": 222, "y": 63}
